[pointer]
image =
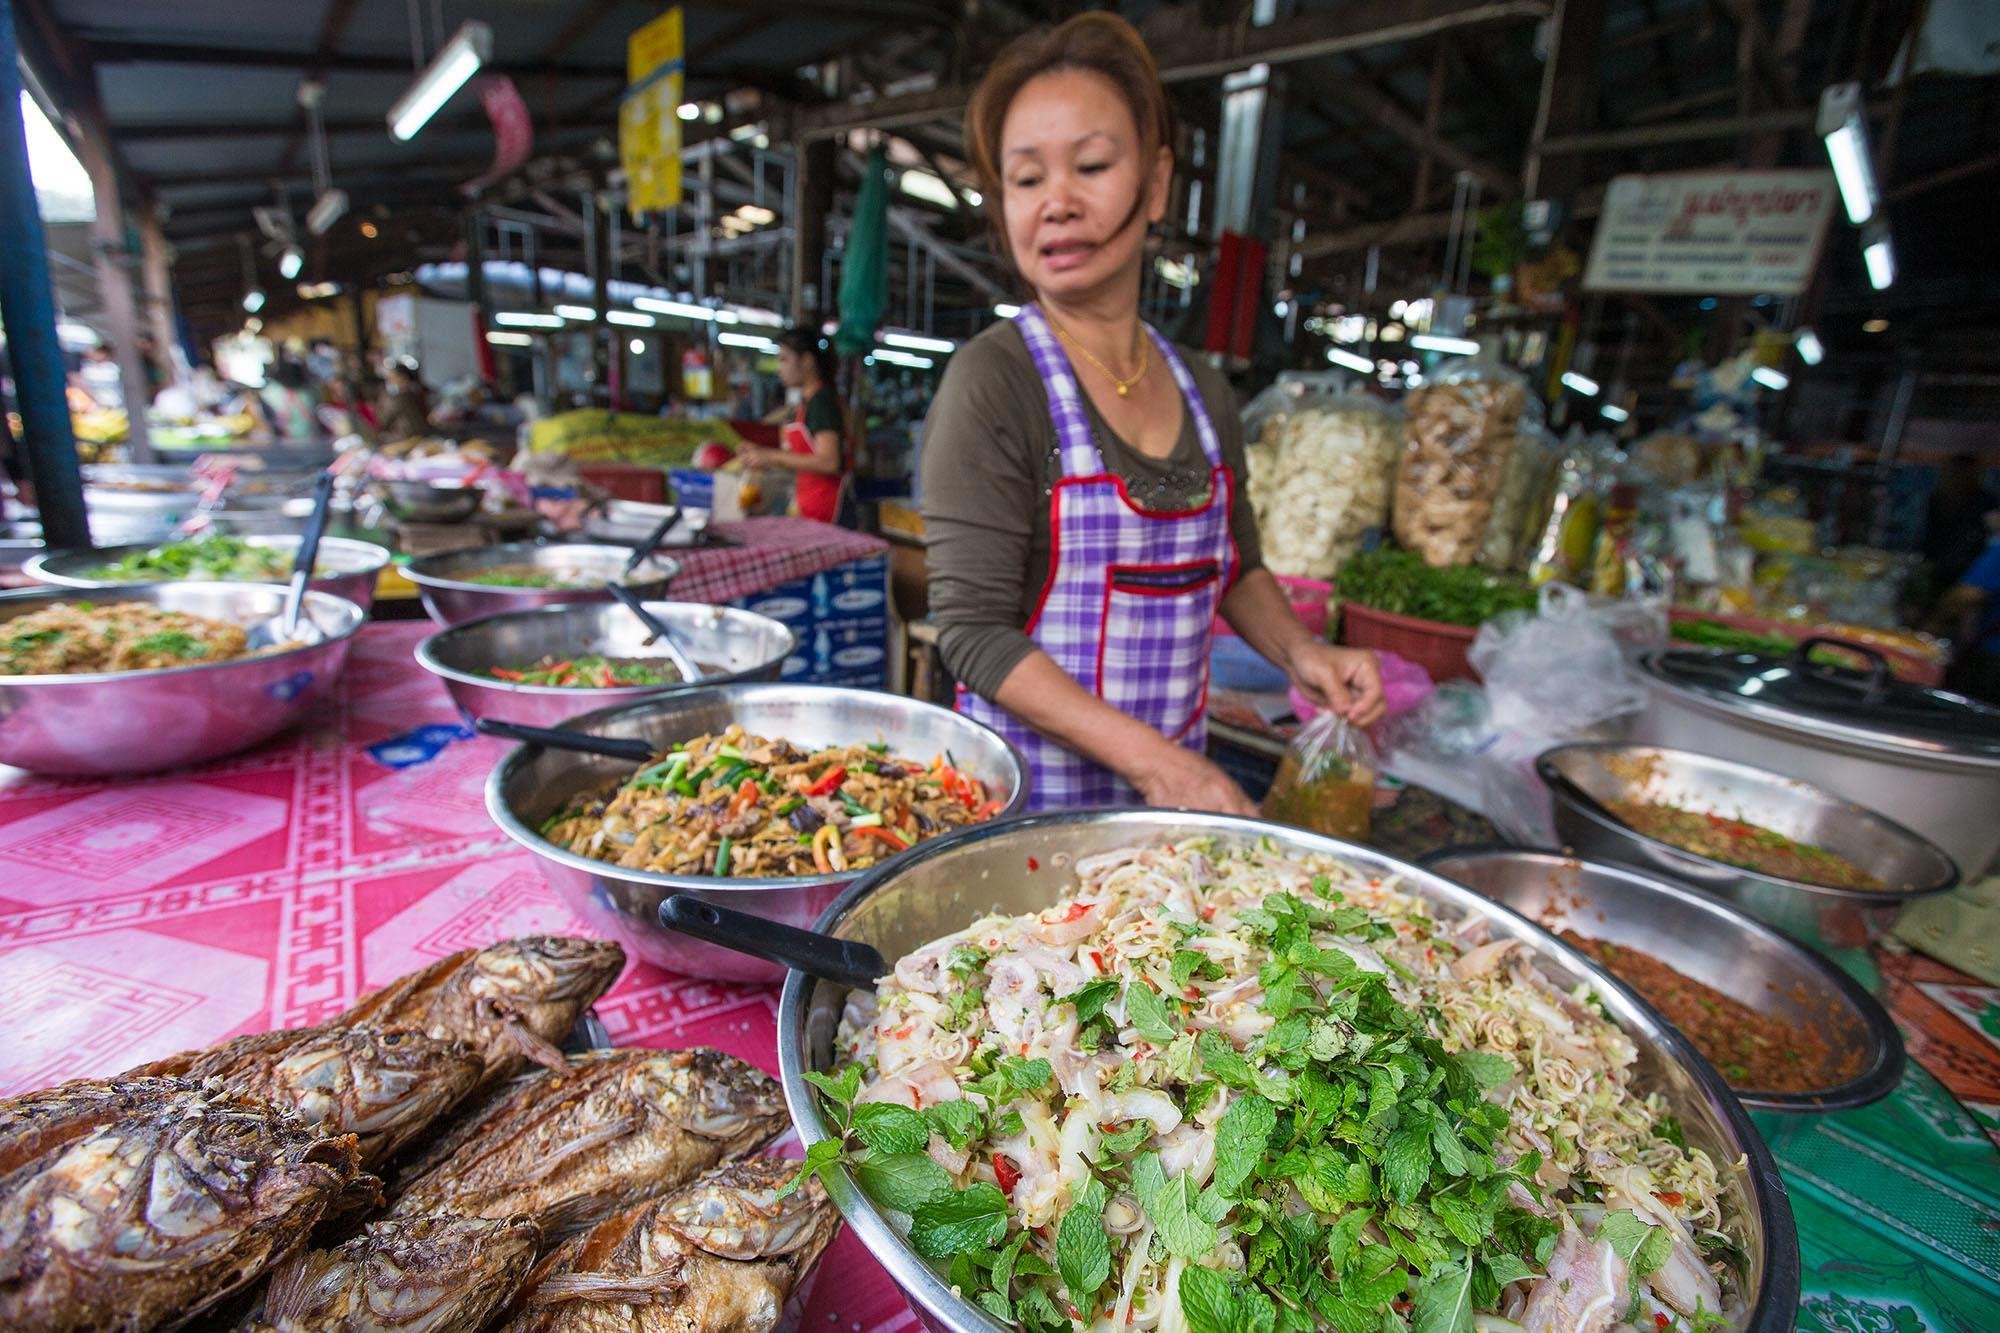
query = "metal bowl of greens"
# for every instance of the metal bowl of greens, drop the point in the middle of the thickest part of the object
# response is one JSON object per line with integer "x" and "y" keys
{"x": 344, "y": 568}
{"x": 458, "y": 586}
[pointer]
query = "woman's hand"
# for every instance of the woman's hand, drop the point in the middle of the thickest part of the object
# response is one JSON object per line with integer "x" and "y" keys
{"x": 1346, "y": 680}
{"x": 1175, "y": 777}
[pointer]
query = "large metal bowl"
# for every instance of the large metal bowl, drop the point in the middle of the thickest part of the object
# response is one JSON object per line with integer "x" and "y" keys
{"x": 428, "y": 501}
{"x": 1700, "y": 937}
{"x": 1022, "y": 865}
{"x": 124, "y": 722}
{"x": 532, "y": 783}
{"x": 733, "y": 644}
{"x": 451, "y": 600}
{"x": 348, "y": 568}
{"x": 1583, "y": 777}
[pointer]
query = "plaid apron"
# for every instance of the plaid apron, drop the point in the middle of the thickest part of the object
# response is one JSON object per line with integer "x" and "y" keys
{"x": 1128, "y": 605}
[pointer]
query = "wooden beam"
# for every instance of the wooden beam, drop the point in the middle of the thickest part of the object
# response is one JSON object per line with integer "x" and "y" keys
{"x": 1420, "y": 188}
{"x": 113, "y": 52}
{"x": 1568, "y": 94}
{"x": 1685, "y": 131}
{"x": 1364, "y": 96}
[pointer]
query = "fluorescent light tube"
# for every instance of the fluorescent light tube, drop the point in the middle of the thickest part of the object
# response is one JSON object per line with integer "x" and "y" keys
{"x": 1613, "y": 412}
{"x": 684, "y": 310}
{"x": 903, "y": 359}
{"x": 1005, "y": 310}
{"x": 253, "y": 300}
{"x": 629, "y": 318}
{"x": 1437, "y": 342}
{"x": 291, "y": 262}
{"x": 1811, "y": 350}
{"x": 1583, "y": 384}
{"x": 1774, "y": 380}
{"x": 502, "y": 339}
{"x": 918, "y": 343}
{"x": 751, "y": 340}
{"x": 931, "y": 189}
{"x": 524, "y": 319}
{"x": 1360, "y": 365}
{"x": 750, "y": 314}
{"x": 1881, "y": 260}
{"x": 455, "y": 63}
{"x": 576, "y": 312}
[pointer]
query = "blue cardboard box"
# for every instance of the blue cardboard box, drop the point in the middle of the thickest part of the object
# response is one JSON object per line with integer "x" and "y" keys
{"x": 841, "y": 617}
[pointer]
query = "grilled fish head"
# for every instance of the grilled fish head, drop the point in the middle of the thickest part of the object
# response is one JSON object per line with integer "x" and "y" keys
{"x": 734, "y": 1212}
{"x": 163, "y": 1210}
{"x": 715, "y": 1095}
{"x": 417, "y": 1275}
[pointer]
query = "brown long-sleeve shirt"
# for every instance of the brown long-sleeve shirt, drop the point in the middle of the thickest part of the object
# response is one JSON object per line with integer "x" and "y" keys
{"x": 990, "y": 459}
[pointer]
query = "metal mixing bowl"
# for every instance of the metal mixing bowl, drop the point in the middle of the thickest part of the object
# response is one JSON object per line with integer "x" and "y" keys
{"x": 1023, "y": 865}
{"x": 736, "y": 645}
{"x": 1582, "y": 778}
{"x": 451, "y": 600}
{"x": 1700, "y": 937}
{"x": 348, "y": 568}
{"x": 532, "y": 783}
{"x": 123, "y": 722}
{"x": 427, "y": 501}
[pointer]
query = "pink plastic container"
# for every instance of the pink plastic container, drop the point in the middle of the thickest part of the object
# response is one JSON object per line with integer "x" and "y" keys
{"x": 1309, "y": 599}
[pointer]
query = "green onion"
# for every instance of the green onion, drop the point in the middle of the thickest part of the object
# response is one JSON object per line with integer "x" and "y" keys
{"x": 866, "y": 821}
{"x": 879, "y": 747}
{"x": 730, "y": 776}
{"x": 722, "y": 857}
{"x": 661, "y": 774}
{"x": 854, "y": 807}
{"x": 791, "y": 805}
{"x": 728, "y": 752}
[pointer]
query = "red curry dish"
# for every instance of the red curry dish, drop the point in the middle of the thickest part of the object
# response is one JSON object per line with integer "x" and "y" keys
{"x": 1738, "y": 842}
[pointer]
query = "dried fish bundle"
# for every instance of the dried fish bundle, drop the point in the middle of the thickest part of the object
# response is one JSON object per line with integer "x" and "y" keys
{"x": 571, "y": 1149}
{"x": 40, "y": 1122}
{"x": 722, "y": 1253}
{"x": 420, "y": 1275}
{"x": 383, "y": 1087}
{"x": 514, "y": 1000}
{"x": 163, "y": 1208}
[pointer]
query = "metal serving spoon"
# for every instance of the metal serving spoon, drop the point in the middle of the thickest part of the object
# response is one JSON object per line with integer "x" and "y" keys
{"x": 657, "y": 628}
{"x": 290, "y": 627}
{"x": 556, "y": 738}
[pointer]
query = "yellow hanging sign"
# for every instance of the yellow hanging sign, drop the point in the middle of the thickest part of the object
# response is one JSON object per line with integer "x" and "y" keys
{"x": 649, "y": 127}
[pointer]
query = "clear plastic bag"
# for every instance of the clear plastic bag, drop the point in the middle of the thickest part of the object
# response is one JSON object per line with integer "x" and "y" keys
{"x": 1320, "y": 471}
{"x": 1326, "y": 781}
{"x": 1531, "y": 466}
{"x": 1459, "y": 431}
{"x": 1561, "y": 550}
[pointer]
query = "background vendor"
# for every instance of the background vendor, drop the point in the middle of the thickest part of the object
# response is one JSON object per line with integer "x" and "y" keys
{"x": 814, "y": 433}
{"x": 1083, "y": 479}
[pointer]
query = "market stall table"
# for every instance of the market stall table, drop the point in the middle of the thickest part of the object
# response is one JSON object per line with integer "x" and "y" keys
{"x": 145, "y": 916}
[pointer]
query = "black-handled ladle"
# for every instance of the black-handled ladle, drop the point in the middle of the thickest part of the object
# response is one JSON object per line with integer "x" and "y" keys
{"x": 556, "y": 738}
{"x": 285, "y": 629}
{"x": 844, "y": 962}
{"x": 642, "y": 549}
{"x": 658, "y": 629}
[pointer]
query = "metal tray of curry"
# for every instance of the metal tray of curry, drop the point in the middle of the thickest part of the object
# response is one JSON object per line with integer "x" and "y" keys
{"x": 1760, "y": 1006}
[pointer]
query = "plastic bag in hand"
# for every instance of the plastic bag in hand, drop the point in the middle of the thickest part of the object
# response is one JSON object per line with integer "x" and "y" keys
{"x": 1326, "y": 781}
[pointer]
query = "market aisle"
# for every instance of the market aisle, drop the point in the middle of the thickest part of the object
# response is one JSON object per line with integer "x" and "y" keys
{"x": 145, "y": 917}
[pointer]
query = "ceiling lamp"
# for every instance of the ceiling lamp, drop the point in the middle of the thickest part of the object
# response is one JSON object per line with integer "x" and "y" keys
{"x": 291, "y": 262}
{"x": 1811, "y": 350}
{"x": 1846, "y": 134}
{"x": 1436, "y": 342}
{"x": 1878, "y": 256}
{"x": 455, "y": 63}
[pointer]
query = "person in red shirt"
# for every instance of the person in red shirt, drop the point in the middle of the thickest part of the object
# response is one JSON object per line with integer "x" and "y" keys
{"x": 814, "y": 439}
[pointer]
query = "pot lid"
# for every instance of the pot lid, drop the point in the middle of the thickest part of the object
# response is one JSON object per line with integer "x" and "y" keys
{"x": 1870, "y": 707}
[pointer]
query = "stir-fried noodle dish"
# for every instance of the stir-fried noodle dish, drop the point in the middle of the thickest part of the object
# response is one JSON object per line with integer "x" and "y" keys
{"x": 744, "y": 806}
{"x": 83, "y": 637}
{"x": 1214, "y": 1089}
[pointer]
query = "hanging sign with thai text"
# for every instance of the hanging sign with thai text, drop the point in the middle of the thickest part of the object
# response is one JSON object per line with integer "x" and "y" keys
{"x": 1711, "y": 233}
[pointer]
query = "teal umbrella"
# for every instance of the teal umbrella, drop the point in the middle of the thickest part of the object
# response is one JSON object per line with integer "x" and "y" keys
{"x": 864, "y": 268}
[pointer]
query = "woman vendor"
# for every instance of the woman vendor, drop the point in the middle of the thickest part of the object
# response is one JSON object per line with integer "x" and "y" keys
{"x": 1082, "y": 480}
{"x": 813, "y": 446}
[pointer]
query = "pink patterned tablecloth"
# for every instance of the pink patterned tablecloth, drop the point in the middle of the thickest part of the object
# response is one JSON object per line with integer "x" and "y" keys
{"x": 142, "y": 917}
{"x": 771, "y": 551}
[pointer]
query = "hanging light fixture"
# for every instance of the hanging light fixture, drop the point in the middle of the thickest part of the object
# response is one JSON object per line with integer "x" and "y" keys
{"x": 455, "y": 63}
{"x": 253, "y": 293}
{"x": 1846, "y": 133}
{"x": 291, "y": 262}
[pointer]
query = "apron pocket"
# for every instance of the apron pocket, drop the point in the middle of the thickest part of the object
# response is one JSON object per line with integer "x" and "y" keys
{"x": 1153, "y": 641}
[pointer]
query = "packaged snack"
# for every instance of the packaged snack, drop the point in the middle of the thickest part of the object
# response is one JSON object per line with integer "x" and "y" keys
{"x": 1459, "y": 431}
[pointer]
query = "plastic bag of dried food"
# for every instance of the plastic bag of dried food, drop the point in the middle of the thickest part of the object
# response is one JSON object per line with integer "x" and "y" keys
{"x": 1326, "y": 781}
{"x": 1459, "y": 430}
{"x": 1320, "y": 473}
{"x": 1514, "y": 522}
{"x": 1561, "y": 550}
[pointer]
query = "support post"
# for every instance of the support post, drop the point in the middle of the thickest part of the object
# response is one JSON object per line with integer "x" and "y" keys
{"x": 1569, "y": 88}
{"x": 599, "y": 264}
{"x": 27, "y": 305}
{"x": 814, "y": 192}
{"x": 114, "y": 285}
{"x": 475, "y": 292}
{"x": 160, "y": 297}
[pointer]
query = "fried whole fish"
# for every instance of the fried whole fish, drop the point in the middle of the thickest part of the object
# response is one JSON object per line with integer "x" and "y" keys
{"x": 722, "y": 1253}
{"x": 514, "y": 1000}
{"x": 419, "y": 1275}
{"x": 385, "y": 1088}
{"x": 571, "y": 1149}
{"x": 35, "y": 1123}
{"x": 174, "y": 1198}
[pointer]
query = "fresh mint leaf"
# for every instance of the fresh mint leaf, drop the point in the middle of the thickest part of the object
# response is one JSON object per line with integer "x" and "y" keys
{"x": 1241, "y": 1137}
{"x": 1089, "y": 1002}
{"x": 1624, "y": 1232}
{"x": 889, "y": 1128}
{"x": 1148, "y": 1179}
{"x": 1450, "y": 1150}
{"x": 1443, "y": 1301}
{"x": 842, "y": 1090}
{"x": 1037, "y": 1311}
{"x": 902, "y": 1181}
{"x": 1506, "y": 1268}
{"x": 817, "y": 1159}
{"x": 1459, "y": 1217}
{"x": 1083, "y": 1254}
{"x": 996, "y": 1305}
{"x": 1208, "y": 1300}
{"x": 1342, "y": 1235}
{"x": 953, "y": 1121}
{"x": 965, "y": 959}
{"x": 1487, "y": 1070}
{"x": 1178, "y": 1220}
{"x": 1374, "y": 1276}
{"x": 1406, "y": 1163}
{"x": 1669, "y": 1128}
{"x": 1027, "y": 1075}
{"x": 1125, "y": 1140}
{"x": 1325, "y": 1040}
{"x": 1149, "y": 1015}
{"x": 974, "y": 1218}
{"x": 1653, "y": 1253}
{"x": 1187, "y": 964}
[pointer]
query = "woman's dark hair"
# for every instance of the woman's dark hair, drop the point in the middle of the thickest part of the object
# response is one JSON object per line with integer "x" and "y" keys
{"x": 811, "y": 342}
{"x": 1100, "y": 42}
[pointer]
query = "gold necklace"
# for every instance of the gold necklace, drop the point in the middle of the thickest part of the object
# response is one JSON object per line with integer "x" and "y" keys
{"x": 1124, "y": 386}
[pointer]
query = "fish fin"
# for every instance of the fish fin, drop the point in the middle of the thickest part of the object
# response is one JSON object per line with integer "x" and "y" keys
{"x": 608, "y": 1132}
{"x": 637, "y": 1289}
{"x": 530, "y": 1044}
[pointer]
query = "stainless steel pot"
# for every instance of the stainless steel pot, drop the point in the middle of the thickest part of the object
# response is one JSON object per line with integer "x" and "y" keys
{"x": 346, "y": 568}
{"x": 1703, "y": 939}
{"x": 123, "y": 722}
{"x": 532, "y": 783}
{"x": 1023, "y": 865}
{"x": 451, "y": 598}
{"x": 1584, "y": 778}
{"x": 737, "y": 645}
{"x": 1926, "y": 758}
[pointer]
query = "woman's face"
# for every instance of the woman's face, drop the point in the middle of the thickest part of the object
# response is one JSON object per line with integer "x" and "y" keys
{"x": 791, "y": 368}
{"x": 1070, "y": 169}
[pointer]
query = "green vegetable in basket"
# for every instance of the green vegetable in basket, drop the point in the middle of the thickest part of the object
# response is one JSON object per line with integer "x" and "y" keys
{"x": 1400, "y": 583}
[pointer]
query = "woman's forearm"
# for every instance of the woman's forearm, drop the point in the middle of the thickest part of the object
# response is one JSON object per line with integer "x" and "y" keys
{"x": 1045, "y": 697}
{"x": 1258, "y": 609}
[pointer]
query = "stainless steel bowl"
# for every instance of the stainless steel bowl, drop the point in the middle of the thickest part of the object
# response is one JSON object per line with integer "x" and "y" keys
{"x": 1700, "y": 937}
{"x": 1583, "y": 777}
{"x": 442, "y": 579}
{"x": 738, "y": 645}
{"x": 427, "y": 501}
{"x": 1022, "y": 865}
{"x": 532, "y": 783}
{"x": 124, "y": 722}
{"x": 349, "y": 568}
